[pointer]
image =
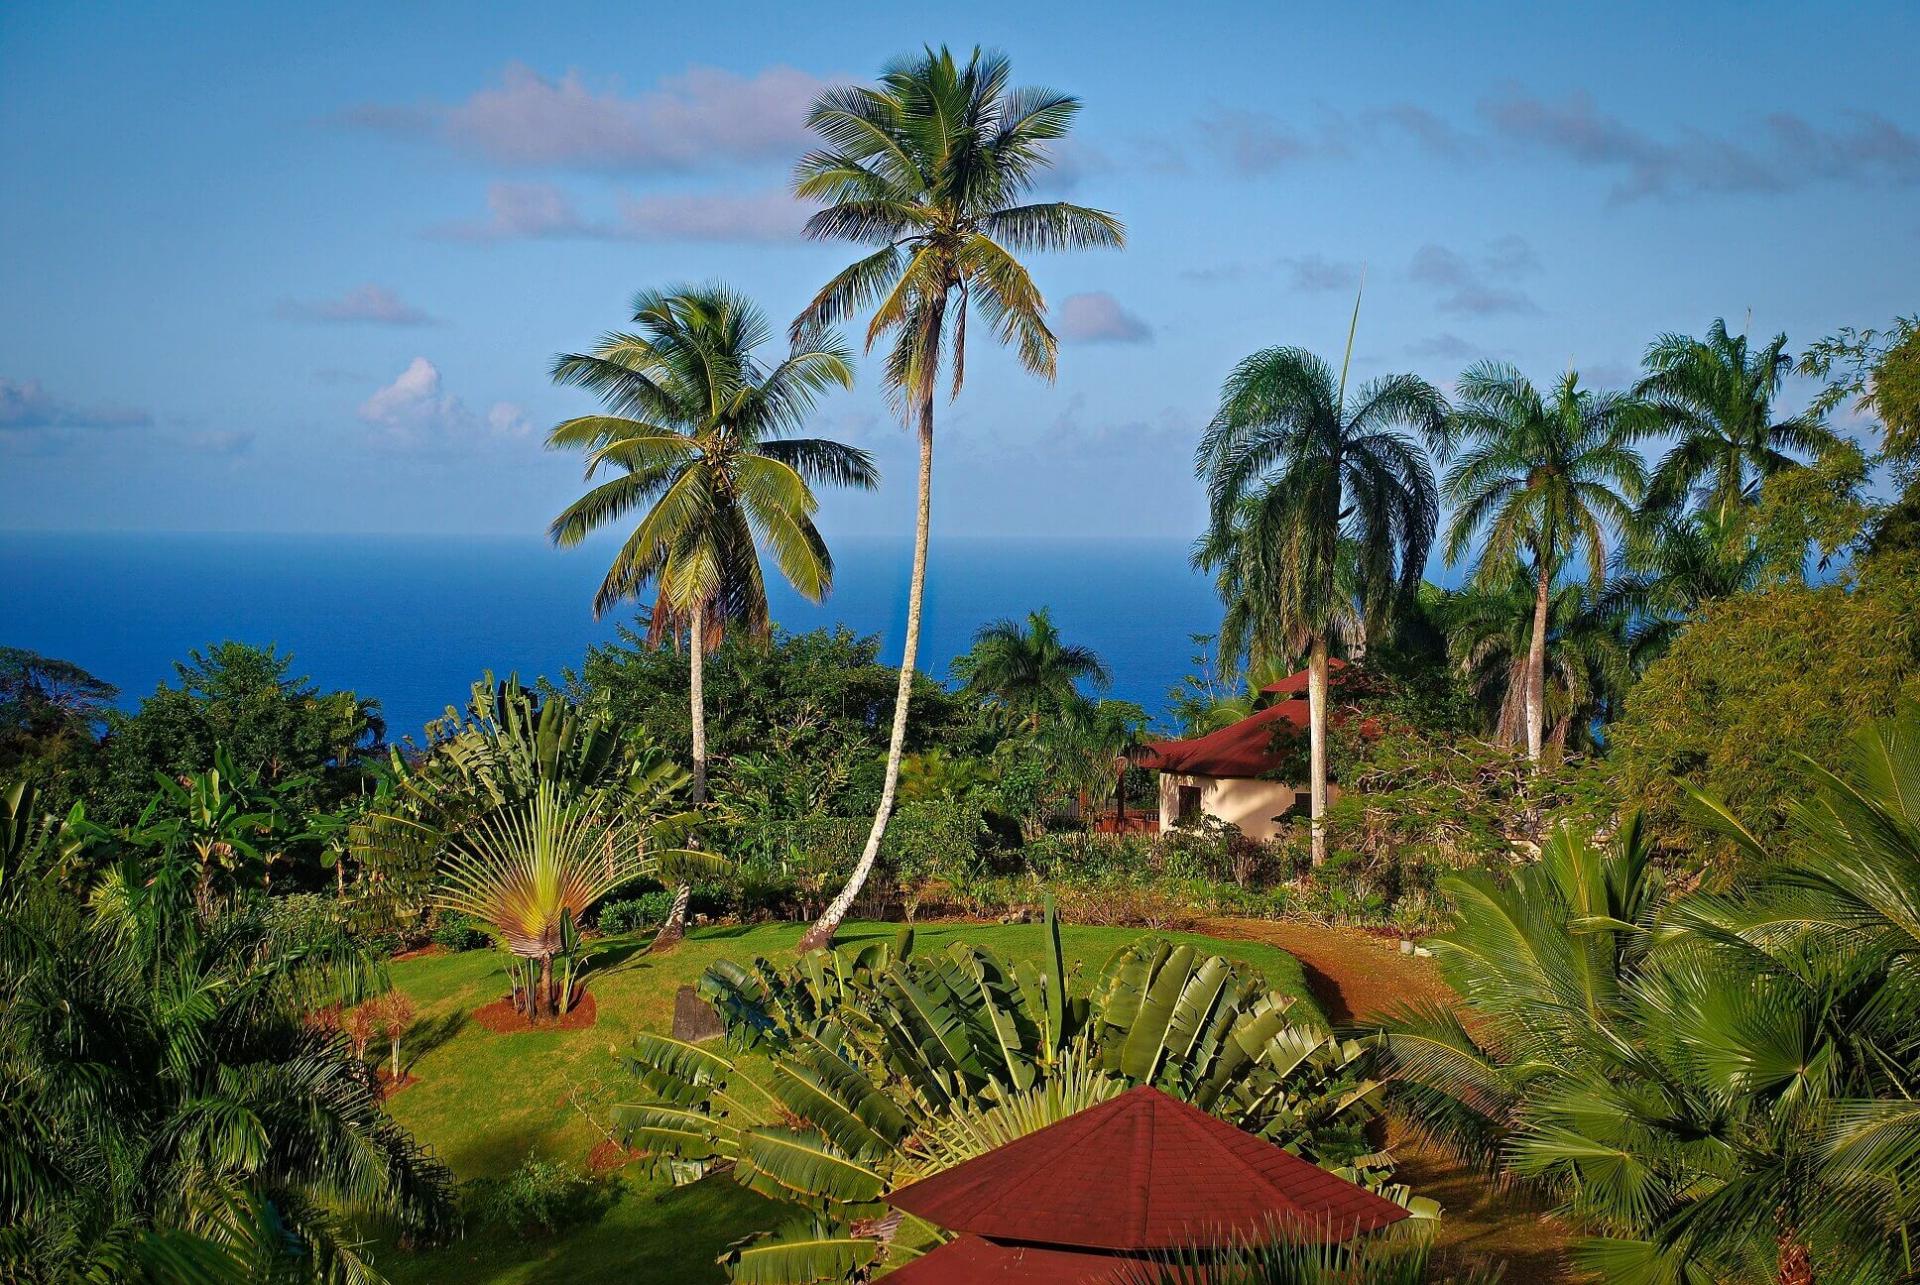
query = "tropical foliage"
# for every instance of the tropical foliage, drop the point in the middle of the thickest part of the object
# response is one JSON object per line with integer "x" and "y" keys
{"x": 1537, "y": 481}
{"x": 1715, "y": 1086}
{"x": 700, "y": 431}
{"x": 170, "y": 1113}
{"x": 885, "y": 1066}
{"x": 1755, "y": 681}
{"x": 1715, "y": 395}
{"x": 1028, "y": 673}
{"x": 526, "y": 815}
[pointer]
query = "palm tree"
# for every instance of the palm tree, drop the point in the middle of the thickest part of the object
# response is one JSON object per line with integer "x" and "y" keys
{"x": 1589, "y": 655}
{"x": 1322, "y": 513}
{"x": 1716, "y": 396}
{"x": 697, "y": 429}
{"x": 933, "y": 166}
{"x": 1028, "y": 672}
{"x": 1671, "y": 565}
{"x": 170, "y": 1111}
{"x": 1539, "y": 479}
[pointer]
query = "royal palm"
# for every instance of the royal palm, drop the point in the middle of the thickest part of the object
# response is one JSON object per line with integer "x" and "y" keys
{"x": 1716, "y": 396}
{"x": 696, "y": 435}
{"x": 1323, "y": 509}
{"x": 1536, "y": 480}
{"x": 933, "y": 167}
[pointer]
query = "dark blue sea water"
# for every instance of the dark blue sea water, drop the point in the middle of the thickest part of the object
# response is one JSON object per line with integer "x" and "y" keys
{"x": 413, "y": 620}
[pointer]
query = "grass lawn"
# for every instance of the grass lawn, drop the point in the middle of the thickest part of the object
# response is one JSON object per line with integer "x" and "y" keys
{"x": 485, "y": 1101}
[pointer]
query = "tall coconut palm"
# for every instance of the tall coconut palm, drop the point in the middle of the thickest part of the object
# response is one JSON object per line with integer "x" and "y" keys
{"x": 696, "y": 430}
{"x": 1716, "y": 395}
{"x": 933, "y": 166}
{"x": 1029, "y": 672}
{"x": 1322, "y": 512}
{"x": 1538, "y": 480}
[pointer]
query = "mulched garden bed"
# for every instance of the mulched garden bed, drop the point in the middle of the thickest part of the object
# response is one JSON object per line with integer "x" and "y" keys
{"x": 608, "y": 1155}
{"x": 420, "y": 952}
{"x": 390, "y": 1086}
{"x": 502, "y": 1018}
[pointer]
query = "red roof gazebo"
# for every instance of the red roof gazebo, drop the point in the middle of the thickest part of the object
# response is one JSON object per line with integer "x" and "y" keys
{"x": 1080, "y": 1200}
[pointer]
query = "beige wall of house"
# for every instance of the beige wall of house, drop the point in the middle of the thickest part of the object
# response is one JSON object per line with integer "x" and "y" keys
{"x": 1252, "y": 805}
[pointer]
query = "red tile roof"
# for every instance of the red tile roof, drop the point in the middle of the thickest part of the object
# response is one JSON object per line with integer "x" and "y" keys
{"x": 973, "y": 1260}
{"x": 1244, "y": 748}
{"x": 1295, "y": 684}
{"x": 1142, "y": 1171}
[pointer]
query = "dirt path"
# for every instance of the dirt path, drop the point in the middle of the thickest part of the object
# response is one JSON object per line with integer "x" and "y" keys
{"x": 1358, "y": 977}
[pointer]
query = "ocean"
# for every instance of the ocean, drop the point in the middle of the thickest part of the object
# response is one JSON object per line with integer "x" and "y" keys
{"x": 413, "y": 620}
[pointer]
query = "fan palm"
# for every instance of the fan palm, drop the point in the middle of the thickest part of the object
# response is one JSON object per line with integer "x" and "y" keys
{"x": 876, "y": 1067}
{"x": 1322, "y": 513}
{"x": 1716, "y": 395}
{"x": 697, "y": 430}
{"x": 933, "y": 166}
{"x": 533, "y": 869}
{"x": 1540, "y": 480}
{"x": 1028, "y": 672}
{"x": 1719, "y": 1087}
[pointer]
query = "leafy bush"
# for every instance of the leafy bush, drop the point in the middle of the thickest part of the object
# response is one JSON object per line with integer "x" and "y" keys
{"x": 636, "y": 914}
{"x": 1754, "y": 686}
{"x": 540, "y": 1197}
{"x": 457, "y": 932}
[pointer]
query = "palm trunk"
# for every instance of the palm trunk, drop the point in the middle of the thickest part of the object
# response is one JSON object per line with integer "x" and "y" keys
{"x": 1317, "y": 746}
{"x": 1537, "y": 665}
{"x": 542, "y": 1005}
{"x": 396, "y": 1058}
{"x": 675, "y": 926}
{"x": 821, "y": 934}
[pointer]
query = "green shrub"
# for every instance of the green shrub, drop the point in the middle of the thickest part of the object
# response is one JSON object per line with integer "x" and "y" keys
{"x": 540, "y": 1197}
{"x": 460, "y": 932}
{"x": 635, "y": 914}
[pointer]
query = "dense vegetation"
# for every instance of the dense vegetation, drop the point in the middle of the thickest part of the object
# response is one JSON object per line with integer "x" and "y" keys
{"x": 1621, "y": 772}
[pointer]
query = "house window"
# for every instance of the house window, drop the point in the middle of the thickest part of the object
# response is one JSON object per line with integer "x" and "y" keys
{"x": 1302, "y": 804}
{"x": 1189, "y": 804}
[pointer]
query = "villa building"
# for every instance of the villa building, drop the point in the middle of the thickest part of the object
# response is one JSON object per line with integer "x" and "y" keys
{"x": 1230, "y": 773}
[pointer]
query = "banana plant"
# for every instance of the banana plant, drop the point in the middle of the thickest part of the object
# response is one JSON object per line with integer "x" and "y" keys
{"x": 225, "y": 817}
{"x": 883, "y": 1066}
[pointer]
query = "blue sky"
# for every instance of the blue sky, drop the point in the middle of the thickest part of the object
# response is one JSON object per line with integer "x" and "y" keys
{"x": 302, "y": 268}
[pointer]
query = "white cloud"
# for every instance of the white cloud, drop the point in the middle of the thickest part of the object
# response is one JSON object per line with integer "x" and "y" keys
{"x": 1785, "y": 152}
{"x": 416, "y": 410}
{"x": 520, "y": 211}
{"x": 541, "y": 211}
{"x": 757, "y": 216}
{"x": 1097, "y": 317}
{"x": 370, "y": 303}
{"x": 508, "y": 419}
{"x": 703, "y": 117}
{"x": 26, "y": 404}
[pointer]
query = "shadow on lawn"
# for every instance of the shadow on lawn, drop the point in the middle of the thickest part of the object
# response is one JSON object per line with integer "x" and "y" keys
{"x": 428, "y": 1034}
